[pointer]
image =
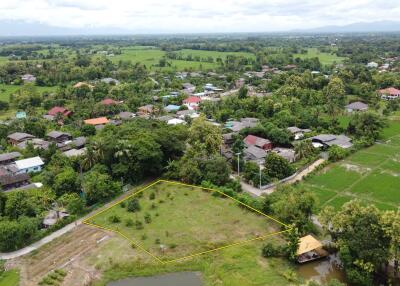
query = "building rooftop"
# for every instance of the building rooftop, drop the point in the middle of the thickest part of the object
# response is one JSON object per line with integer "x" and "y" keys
{"x": 29, "y": 163}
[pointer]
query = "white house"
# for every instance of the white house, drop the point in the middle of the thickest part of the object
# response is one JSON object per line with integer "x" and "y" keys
{"x": 372, "y": 65}
{"x": 30, "y": 165}
{"x": 176, "y": 121}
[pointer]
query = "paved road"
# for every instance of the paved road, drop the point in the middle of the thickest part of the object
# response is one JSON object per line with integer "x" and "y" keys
{"x": 256, "y": 192}
{"x": 60, "y": 232}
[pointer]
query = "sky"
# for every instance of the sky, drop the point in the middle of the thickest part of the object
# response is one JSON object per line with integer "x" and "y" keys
{"x": 194, "y": 16}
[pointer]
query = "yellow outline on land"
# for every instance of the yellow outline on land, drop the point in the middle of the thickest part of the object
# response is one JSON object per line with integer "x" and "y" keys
{"x": 137, "y": 245}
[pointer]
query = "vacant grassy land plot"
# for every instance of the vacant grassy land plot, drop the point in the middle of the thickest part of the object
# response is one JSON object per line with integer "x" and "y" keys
{"x": 371, "y": 175}
{"x": 7, "y": 89}
{"x": 213, "y": 54}
{"x": 324, "y": 58}
{"x": 176, "y": 221}
{"x": 9, "y": 278}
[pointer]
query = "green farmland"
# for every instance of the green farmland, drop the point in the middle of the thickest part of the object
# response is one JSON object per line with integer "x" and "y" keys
{"x": 151, "y": 56}
{"x": 371, "y": 175}
{"x": 324, "y": 58}
{"x": 9, "y": 278}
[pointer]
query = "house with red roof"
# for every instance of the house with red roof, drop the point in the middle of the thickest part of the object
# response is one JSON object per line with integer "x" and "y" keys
{"x": 109, "y": 101}
{"x": 389, "y": 93}
{"x": 59, "y": 110}
{"x": 259, "y": 142}
{"x": 192, "y": 102}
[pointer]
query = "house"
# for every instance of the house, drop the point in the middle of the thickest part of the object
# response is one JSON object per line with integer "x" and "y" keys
{"x": 59, "y": 110}
{"x": 96, "y": 121}
{"x": 253, "y": 153}
{"x": 389, "y": 93}
{"x": 20, "y": 115}
{"x": 37, "y": 143}
{"x": 30, "y": 165}
{"x": 146, "y": 110}
{"x": 82, "y": 84}
{"x": 259, "y": 142}
{"x": 236, "y": 126}
{"x": 125, "y": 115}
{"x": 328, "y": 140}
{"x": 356, "y": 106}
{"x": 190, "y": 113}
{"x": 28, "y": 78}
{"x": 109, "y": 80}
{"x": 172, "y": 108}
{"x": 188, "y": 88}
{"x": 286, "y": 153}
{"x": 298, "y": 133}
{"x": 228, "y": 138}
{"x": 8, "y": 158}
{"x": 12, "y": 181}
{"x": 310, "y": 249}
{"x": 372, "y": 65}
{"x": 109, "y": 101}
{"x": 74, "y": 152}
{"x": 58, "y": 137}
{"x": 192, "y": 102}
{"x": 18, "y": 137}
{"x": 165, "y": 118}
{"x": 176, "y": 121}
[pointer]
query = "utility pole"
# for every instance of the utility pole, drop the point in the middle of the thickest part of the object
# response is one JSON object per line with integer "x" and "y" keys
{"x": 238, "y": 163}
{"x": 259, "y": 165}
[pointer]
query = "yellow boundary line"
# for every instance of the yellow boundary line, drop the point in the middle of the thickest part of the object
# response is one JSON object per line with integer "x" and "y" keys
{"x": 86, "y": 221}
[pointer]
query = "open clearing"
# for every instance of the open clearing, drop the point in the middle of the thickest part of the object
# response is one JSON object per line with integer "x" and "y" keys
{"x": 150, "y": 57}
{"x": 9, "y": 278}
{"x": 324, "y": 58}
{"x": 178, "y": 221}
{"x": 371, "y": 175}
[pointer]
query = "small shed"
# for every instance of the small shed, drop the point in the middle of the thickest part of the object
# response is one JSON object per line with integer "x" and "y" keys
{"x": 310, "y": 249}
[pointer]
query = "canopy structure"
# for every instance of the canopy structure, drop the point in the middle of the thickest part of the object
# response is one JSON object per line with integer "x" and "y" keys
{"x": 307, "y": 244}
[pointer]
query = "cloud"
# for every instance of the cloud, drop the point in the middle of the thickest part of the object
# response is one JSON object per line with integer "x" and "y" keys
{"x": 199, "y": 16}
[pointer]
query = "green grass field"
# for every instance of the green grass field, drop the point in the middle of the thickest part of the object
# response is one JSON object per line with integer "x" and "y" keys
{"x": 9, "y": 278}
{"x": 7, "y": 89}
{"x": 186, "y": 221}
{"x": 324, "y": 58}
{"x": 3, "y": 60}
{"x": 371, "y": 175}
{"x": 150, "y": 56}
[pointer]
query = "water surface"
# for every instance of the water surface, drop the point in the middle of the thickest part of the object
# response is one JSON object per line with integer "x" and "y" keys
{"x": 172, "y": 279}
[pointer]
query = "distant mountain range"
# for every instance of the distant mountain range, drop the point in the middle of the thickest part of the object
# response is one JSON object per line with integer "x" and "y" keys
{"x": 23, "y": 28}
{"x": 361, "y": 27}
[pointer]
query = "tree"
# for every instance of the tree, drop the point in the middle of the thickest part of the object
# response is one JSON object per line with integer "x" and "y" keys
{"x": 336, "y": 153}
{"x": 304, "y": 149}
{"x": 243, "y": 92}
{"x": 205, "y": 137}
{"x": 72, "y": 202}
{"x": 133, "y": 205}
{"x": 217, "y": 171}
{"x": 335, "y": 95}
{"x": 277, "y": 167}
{"x": 366, "y": 125}
{"x": 99, "y": 187}
{"x": 363, "y": 241}
{"x": 66, "y": 182}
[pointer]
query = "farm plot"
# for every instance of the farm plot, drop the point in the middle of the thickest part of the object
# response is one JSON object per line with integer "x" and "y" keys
{"x": 170, "y": 221}
{"x": 371, "y": 175}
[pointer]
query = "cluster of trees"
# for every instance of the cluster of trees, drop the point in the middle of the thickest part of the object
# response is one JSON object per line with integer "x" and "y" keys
{"x": 368, "y": 240}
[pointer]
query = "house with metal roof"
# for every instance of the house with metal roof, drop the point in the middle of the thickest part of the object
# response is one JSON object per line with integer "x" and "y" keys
{"x": 30, "y": 165}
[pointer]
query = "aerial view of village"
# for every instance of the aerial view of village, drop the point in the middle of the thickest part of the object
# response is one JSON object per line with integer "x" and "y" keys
{"x": 199, "y": 143}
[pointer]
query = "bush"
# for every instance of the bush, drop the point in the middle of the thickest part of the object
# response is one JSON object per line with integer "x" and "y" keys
{"x": 147, "y": 218}
{"x": 139, "y": 225}
{"x": 114, "y": 219}
{"x": 270, "y": 251}
{"x": 129, "y": 222}
{"x": 337, "y": 153}
{"x": 133, "y": 205}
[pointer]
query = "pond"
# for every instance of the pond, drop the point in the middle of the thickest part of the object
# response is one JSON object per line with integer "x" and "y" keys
{"x": 172, "y": 279}
{"x": 323, "y": 270}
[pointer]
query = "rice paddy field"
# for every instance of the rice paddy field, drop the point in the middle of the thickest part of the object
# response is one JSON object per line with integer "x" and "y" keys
{"x": 371, "y": 175}
{"x": 324, "y": 58}
{"x": 150, "y": 56}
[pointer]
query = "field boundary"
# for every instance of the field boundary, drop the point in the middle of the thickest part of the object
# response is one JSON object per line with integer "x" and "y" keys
{"x": 139, "y": 246}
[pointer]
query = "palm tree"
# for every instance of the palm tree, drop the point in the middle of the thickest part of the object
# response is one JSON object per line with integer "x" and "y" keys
{"x": 304, "y": 149}
{"x": 89, "y": 159}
